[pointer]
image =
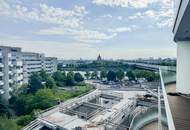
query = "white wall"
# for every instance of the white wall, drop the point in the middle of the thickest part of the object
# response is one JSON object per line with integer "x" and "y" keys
{"x": 183, "y": 67}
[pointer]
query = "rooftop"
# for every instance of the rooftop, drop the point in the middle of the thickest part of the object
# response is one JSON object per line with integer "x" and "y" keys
{"x": 98, "y": 106}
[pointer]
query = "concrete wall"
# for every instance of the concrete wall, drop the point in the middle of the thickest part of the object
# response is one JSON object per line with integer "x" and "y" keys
{"x": 183, "y": 67}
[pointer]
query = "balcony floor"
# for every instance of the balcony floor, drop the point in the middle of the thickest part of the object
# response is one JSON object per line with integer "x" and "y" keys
{"x": 153, "y": 126}
{"x": 180, "y": 109}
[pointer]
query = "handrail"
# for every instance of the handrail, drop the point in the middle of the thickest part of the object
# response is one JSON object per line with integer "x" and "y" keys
{"x": 167, "y": 107}
{"x": 159, "y": 109}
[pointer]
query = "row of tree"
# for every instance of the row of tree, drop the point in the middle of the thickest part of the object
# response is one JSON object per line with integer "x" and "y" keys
{"x": 61, "y": 79}
{"x": 119, "y": 75}
{"x": 41, "y": 79}
{"x": 106, "y": 75}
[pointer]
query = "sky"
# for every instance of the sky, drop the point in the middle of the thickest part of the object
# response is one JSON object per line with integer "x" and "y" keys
{"x": 73, "y": 29}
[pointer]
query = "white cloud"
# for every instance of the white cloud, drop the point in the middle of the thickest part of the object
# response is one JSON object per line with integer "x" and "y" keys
{"x": 71, "y": 50}
{"x": 120, "y": 29}
{"x": 131, "y": 3}
{"x": 84, "y": 35}
{"x": 75, "y": 50}
{"x": 4, "y": 7}
{"x": 46, "y": 14}
{"x": 92, "y": 36}
{"x": 161, "y": 18}
{"x": 119, "y": 17}
{"x": 107, "y": 16}
{"x": 136, "y": 15}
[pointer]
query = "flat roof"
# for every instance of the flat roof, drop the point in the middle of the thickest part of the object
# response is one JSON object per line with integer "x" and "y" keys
{"x": 71, "y": 121}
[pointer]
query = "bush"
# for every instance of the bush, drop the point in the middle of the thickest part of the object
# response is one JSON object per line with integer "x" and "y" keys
{"x": 8, "y": 124}
{"x": 24, "y": 120}
{"x": 78, "y": 77}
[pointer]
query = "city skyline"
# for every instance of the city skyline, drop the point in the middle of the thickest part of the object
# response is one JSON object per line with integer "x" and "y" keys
{"x": 83, "y": 29}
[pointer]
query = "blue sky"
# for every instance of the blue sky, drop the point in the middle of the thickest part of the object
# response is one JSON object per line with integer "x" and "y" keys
{"x": 73, "y": 29}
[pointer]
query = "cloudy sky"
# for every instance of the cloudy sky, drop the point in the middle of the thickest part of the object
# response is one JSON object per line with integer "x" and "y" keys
{"x": 73, "y": 29}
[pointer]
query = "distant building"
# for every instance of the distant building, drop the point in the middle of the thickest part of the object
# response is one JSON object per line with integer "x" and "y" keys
{"x": 72, "y": 63}
{"x": 16, "y": 66}
{"x": 99, "y": 58}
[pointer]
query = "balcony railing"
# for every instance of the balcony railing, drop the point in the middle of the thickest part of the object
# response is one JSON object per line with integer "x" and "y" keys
{"x": 160, "y": 113}
{"x": 170, "y": 121}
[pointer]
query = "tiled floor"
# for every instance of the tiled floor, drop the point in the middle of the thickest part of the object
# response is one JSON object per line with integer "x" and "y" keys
{"x": 180, "y": 108}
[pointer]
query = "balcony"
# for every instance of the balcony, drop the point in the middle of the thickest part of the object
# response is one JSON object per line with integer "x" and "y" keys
{"x": 9, "y": 55}
{"x": 1, "y": 65}
{"x": 2, "y": 91}
{"x": 19, "y": 77}
{"x": 10, "y": 80}
{"x": 18, "y": 71}
{"x": 10, "y": 64}
{"x": 18, "y": 63}
{"x": 10, "y": 73}
{"x": 1, "y": 83}
{"x": 1, "y": 74}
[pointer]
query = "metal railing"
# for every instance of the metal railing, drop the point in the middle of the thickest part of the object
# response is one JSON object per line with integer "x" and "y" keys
{"x": 161, "y": 111}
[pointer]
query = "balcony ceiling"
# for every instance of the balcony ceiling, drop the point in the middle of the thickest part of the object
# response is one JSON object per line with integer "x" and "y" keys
{"x": 181, "y": 28}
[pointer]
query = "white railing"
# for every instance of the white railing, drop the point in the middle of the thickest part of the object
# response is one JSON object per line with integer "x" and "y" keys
{"x": 167, "y": 107}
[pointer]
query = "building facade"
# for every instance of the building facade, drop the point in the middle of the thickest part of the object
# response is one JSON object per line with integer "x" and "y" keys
{"x": 181, "y": 32}
{"x": 11, "y": 70}
{"x": 16, "y": 66}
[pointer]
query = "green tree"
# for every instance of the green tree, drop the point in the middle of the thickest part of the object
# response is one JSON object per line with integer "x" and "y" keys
{"x": 43, "y": 75}
{"x": 103, "y": 74}
{"x": 111, "y": 76}
{"x": 4, "y": 110}
{"x": 44, "y": 99}
{"x": 60, "y": 78}
{"x": 50, "y": 83}
{"x": 24, "y": 120}
{"x": 120, "y": 75}
{"x": 87, "y": 74}
{"x": 8, "y": 124}
{"x": 70, "y": 79}
{"x": 78, "y": 77}
{"x": 94, "y": 75}
{"x": 35, "y": 83}
{"x": 23, "y": 104}
{"x": 130, "y": 75}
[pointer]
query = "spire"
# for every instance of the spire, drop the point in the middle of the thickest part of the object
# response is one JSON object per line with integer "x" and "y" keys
{"x": 99, "y": 58}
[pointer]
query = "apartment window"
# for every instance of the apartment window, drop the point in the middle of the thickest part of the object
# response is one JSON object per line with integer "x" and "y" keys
{"x": 1, "y": 78}
{"x": 13, "y": 50}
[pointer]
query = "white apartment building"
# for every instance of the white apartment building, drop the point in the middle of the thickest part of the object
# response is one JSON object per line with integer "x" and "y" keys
{"x": 35, "y": 62}
{"x": 16, "y": 66}
{"x": 50, "y": 64}
{"x": 11, "y": 70}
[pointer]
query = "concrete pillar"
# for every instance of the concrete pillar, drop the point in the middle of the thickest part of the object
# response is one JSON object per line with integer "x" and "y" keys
{"x": 183, "y": 67}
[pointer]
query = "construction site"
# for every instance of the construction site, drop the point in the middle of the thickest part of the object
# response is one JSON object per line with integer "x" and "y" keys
{"x": 113, "y": 109}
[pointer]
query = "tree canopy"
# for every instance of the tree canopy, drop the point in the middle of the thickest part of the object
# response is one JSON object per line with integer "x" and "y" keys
{"x": 120, "y": 75}
{"x": 111, "y": 76}
{"x": 78, "y": 77}
{"x": 35, "y": 83}
{"x": 103, "y": 74}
